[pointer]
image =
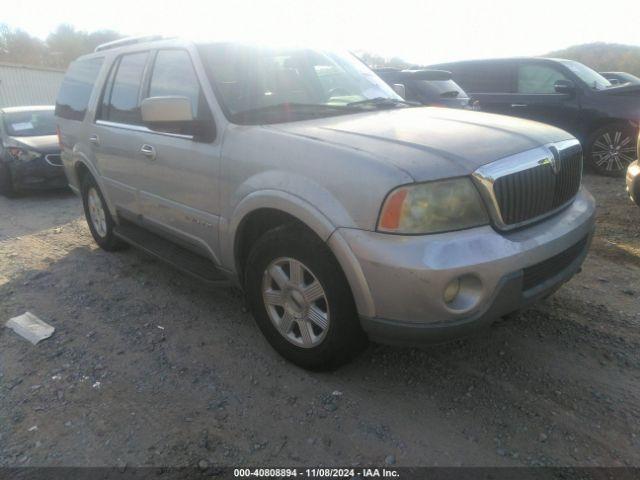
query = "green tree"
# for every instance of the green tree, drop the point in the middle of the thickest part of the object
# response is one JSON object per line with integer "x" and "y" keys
{"x": 17, "y": 46}
{"x": 61, "y": 47}
{"x": 65, "y": 43}
{"x": 378, "y": 61}
{"x": 604, "y": 57}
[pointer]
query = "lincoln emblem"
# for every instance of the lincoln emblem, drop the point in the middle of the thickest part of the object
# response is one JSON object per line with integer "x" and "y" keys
{"x": 555, "y": 159}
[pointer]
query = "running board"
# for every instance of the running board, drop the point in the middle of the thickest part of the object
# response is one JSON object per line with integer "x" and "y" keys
{"x": 178, "y": 257}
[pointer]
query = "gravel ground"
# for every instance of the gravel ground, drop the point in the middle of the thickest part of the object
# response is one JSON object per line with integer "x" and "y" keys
{"x": 147, "y": 367}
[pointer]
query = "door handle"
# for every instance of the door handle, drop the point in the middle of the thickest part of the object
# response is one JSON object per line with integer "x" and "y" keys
{"x": 95, "y": 139}
{"x": 519, "y": 105}
{"x": 148, "y": 151}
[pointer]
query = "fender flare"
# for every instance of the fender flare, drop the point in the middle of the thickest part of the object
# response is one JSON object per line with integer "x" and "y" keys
{"x": 80, "y": 158}
{"x": 315, "y": 220}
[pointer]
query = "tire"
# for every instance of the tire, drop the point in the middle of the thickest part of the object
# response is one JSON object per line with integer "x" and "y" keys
{"x": 102, "y": 230}
{"x": 6, "y": 184}
{"x": 636, "y": 192}
{"x": 288, "y": 249}
{"x": 611, "y": 149}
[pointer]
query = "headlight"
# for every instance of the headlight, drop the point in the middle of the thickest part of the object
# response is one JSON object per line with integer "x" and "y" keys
{"x": 433, "y": 207}
{"x": 21, "y": 154}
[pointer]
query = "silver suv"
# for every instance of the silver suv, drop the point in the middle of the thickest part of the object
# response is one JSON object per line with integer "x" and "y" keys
{"x": 344, "y": 213}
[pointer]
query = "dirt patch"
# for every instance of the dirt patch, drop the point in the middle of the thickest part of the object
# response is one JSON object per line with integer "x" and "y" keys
{"x": 147, "y": 367}
{"x": 618, "y": 236}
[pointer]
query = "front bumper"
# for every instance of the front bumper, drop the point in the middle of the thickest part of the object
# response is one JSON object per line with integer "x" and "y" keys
{"x": 37, "y": 174}
{"x": 406, "y": 276}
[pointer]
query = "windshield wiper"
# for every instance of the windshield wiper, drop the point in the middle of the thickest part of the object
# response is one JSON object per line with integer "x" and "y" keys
{"x": 311, "y": 109}
{"x": 381, "y": 102}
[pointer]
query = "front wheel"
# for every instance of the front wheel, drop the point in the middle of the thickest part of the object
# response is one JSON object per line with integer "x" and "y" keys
{"x": 301, "y": 299}
{"x": 99, "y": 219}
{"x": 611, "y": 149}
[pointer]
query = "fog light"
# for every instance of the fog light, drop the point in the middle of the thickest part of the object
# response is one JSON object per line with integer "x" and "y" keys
{"x": 451, "y": 290}
{"x": 463, "y": 293}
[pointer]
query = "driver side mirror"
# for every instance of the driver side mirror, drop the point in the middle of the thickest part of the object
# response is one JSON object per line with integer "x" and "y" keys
{"x": 173, "y": 114}
{"x": 566, "y": 87}
{"x": 400, "y": 89}
{"x": 164, "y": 110}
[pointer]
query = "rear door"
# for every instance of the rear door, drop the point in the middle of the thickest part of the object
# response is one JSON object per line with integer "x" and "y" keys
{"x": 536, "y": 98}
{"x": 117, "y": 132}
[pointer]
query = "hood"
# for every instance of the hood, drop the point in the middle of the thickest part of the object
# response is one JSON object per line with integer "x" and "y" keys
{"x": 626, "y": 89}
{"x": 44, "y": 143}
{"x": 429, "y": 142}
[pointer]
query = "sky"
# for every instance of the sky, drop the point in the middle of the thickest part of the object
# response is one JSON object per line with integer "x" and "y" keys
{"x": 418, "y": 31}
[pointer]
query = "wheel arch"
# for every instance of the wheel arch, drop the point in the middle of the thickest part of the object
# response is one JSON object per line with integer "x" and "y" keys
{"x": 605, "y": 122}
{"x": 262, "y": 211}
{"x": 82, "y": 167}
{"x": 81, "y": 170}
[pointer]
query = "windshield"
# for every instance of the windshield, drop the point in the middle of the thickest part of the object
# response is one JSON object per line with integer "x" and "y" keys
{"x": 625, "y": 78}
{"x": 592, "y": 78}
{"x": 271, "y": 85}
{"x": 30, "y": 123}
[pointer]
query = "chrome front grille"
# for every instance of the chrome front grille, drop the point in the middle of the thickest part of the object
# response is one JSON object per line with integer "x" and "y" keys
{"x": 528, "y": 186}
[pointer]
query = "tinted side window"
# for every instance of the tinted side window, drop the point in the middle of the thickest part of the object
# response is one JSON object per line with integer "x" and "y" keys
{"x": 124, "y": 104}
{"x": 441, "y": 89}
{"x": 103, "y": 107}
{"x": 76, "y": 88}
{"x": 538, "y": 79}
{"x": 173, "y": 75}
{"x": 484, "y": 77}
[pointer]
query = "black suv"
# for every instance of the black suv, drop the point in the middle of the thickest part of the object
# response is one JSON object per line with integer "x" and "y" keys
{"x": 620, "y": 78}
{"x": 563, "y": 93}
{"x": 427, "y": 87}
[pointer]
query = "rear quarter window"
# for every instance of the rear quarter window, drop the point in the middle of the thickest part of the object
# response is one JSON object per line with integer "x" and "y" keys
{"x": 75, "y": 91}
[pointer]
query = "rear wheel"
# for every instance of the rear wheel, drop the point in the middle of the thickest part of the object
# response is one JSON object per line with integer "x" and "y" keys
{"x": 99, "y": 219}
{"x": 301, "y": 299}
{"x": 611, "y": 149}
{"x": 6, "y": 184}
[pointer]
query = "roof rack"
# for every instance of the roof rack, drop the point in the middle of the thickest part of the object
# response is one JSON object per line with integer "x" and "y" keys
{"x": 127, "y": 41}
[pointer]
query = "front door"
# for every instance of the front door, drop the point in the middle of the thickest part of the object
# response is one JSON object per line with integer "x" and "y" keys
{"x": 178, "y": 184}
{"x": 536, "y": 98}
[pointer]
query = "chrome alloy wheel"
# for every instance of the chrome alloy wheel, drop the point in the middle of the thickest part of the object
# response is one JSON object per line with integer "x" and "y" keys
{"x": 613, "y": 150}
{"x": 96, "y": 212}
{"x": 295, "y": 302}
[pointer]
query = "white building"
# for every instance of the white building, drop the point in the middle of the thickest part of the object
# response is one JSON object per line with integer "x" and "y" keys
{"x": 26, "y": 85}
